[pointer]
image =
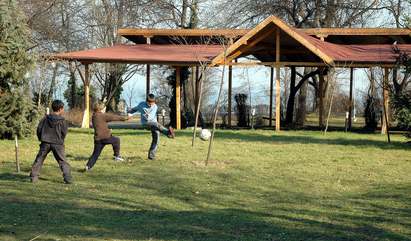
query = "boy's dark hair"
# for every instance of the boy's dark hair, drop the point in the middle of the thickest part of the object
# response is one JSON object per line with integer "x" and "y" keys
{"x": 56, "y": 105}
{"x": 151, "y": 98}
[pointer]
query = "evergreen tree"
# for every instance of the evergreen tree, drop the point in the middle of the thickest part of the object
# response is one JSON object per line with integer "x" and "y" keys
{"x": 400, "y": 102}
{"x": 79, "y": 95}
{"x": 17, "y": 111}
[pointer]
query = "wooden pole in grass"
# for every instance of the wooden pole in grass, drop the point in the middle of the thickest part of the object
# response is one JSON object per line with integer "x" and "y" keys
{"x": 17, "y": 153}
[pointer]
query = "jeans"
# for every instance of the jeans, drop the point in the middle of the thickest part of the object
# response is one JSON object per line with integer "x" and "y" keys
{"x": 59, "y": 153}
{"x": 98, "y": 148}
{"x": 155, "y": 129}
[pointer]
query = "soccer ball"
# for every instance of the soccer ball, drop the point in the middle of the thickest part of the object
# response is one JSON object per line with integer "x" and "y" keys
{"x": 204, "y": 134}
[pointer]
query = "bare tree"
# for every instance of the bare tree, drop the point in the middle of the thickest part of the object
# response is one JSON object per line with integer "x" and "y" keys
{"x": 224, "y": 43}
{"x": 103, "y": 19}
{"x": 300, "y": 14}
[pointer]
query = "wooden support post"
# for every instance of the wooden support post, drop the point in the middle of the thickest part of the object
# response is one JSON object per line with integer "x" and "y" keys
{"x": 320, "y": 109}
{"x": 277, "y": 85}
{"x": 277, "y": 101}
{"x": 178, "y": 106}
{"x": 385, "y": 117}
{"x": 350, "y": 107}
{"x": 17, "y": 153}
{"x": 148, "y": 80}
{"x": 271, "y": 97}
{"x": 86, "y": 117}
{"x": 230, "y": 86}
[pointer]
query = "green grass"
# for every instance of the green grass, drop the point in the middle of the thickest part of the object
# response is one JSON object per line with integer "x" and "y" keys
{"x": 259, "y": 185}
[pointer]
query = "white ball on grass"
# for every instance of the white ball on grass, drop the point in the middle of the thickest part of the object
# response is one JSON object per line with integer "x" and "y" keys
{"x": 204, "y": 134}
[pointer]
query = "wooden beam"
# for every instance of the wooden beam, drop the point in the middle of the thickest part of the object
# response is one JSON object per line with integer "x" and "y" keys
{"x": 350, "y": 109}
{"x": 386, "y": 98}
{"x": 246, "y": 45}
{"x": 277, "y": 83}
{"x": 320, "y": 109}
{"x": 325, "y": 32}
{"x": 385, "y": 118}
{"x": 278, "y": 100}
{"x": 86, "y": 117}
{"x": 281, "y": 64}
{"x": 230, "y": 86}
{"x": 271, "y": 96}
{"x": 229, "y": 33}
{"x": 311, "y": 64}
{"x": 178, "y": 99}
{"x": 148, "y": 80}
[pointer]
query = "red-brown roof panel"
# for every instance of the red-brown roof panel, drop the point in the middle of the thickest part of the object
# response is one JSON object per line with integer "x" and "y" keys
{"x": 372, "y": 53}
{"x": 145, "y": 54}
{"x": 355, "y": 53}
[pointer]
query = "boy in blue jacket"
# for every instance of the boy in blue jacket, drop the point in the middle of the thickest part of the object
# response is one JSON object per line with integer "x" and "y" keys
{"x": 148, "y": 110}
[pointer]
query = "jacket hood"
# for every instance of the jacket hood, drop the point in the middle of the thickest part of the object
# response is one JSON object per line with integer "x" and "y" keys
{"x": 54, "y": 119}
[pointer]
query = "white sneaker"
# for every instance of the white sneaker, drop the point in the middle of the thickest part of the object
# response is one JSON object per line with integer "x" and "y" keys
{"x": 119, "y": 159}
{"x": 86, "y": 169}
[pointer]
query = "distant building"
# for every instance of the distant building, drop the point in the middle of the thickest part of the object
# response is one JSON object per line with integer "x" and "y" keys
{"x": 121, "y": 107}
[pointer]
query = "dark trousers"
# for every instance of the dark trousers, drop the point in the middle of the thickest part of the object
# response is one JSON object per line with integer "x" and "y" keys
{"x": 99, "y": 146}
{"x": 155, "y": 129}
{"x": 59, "y": 153}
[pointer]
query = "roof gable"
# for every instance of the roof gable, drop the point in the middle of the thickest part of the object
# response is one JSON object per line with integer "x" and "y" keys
{"x": 262, "y": 40}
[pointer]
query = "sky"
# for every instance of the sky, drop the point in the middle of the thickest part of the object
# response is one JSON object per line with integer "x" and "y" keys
{"x": 258, "y": 78}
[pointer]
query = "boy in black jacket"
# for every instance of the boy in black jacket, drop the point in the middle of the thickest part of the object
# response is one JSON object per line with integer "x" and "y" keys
{"x": 51, "y": 131}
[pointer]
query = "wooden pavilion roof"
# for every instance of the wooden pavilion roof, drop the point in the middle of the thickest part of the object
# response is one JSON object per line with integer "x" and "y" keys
{"x": 300, "y": 49}
{"x": 297, "y": 47}
{"x": 344, "y": 36}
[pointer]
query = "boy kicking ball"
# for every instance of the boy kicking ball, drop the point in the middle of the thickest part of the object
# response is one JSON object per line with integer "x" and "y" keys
{"x": 148, "y": 110}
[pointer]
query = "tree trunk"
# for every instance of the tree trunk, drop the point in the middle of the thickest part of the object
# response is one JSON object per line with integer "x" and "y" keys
{"x": 291, "y": 99}
{"x": 293, "y": 91}
{"x": 73, "y": 88}
{"x": 53, "y": 83}
{"x": 302, "y": 105}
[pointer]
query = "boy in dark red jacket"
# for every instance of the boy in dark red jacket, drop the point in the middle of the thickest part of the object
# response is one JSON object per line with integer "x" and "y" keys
{"x": 102, "y": 136}
{"x": 51, "y": 131}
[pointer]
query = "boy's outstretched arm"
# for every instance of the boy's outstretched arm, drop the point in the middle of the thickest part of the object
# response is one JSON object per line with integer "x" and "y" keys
{"x": 134, "y": 109}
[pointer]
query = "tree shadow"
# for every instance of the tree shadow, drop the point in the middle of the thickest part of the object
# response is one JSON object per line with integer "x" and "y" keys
{"x": 285, "y": 215}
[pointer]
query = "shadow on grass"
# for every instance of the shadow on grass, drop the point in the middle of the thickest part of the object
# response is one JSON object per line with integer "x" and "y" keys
{"x": 304, "y": 138}
{"x": 25, "y": 178}
{"x": 285, "y": 214}
{"x": 73, "y": 222}
{"x": 270, "y": 136}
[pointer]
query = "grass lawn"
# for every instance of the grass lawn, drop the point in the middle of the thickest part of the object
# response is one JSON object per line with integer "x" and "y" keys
{"x": 259, "y": 185}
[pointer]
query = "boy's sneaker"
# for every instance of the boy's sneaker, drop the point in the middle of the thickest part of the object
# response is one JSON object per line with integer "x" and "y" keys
{"x": 171, "y": 133}
{"x": 68, "y": 181}
{"x": 86, "y": 169}
{"x": 119, "y": 159}
{"x": 34, "y": 179}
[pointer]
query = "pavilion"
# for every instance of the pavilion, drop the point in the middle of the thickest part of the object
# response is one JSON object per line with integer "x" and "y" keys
{"x": 272, "y": 43}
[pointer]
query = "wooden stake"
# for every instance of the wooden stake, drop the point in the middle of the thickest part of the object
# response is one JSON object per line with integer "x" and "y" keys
{"x": 17, "y": 153}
